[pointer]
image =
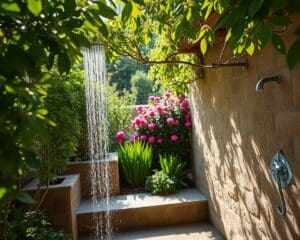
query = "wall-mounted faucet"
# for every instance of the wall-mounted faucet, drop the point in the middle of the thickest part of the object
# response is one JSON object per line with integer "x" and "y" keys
{"x": 282, "y": 175}
{"x": 262, "y": 81}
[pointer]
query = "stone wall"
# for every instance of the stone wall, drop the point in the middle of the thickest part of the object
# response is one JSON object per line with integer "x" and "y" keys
{"x": 236, "y": 132}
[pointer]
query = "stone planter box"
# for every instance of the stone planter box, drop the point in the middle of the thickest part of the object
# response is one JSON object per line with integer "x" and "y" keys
{"x": 84, "y": 169}
{"x": 61, "y": 202}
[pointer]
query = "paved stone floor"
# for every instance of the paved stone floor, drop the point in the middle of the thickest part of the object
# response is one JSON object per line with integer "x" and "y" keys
{"x": 200, "y": 231}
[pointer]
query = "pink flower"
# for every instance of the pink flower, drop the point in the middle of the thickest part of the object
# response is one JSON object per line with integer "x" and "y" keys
{"x": 151, "y": 126}
{"x": 163, "y": 113}
{"x": 176, "y": 122}
{"x": 185, "y": 104}
{"x": 151, "y": 98}
{"x": 187, "y": 116}
{"x": 171, "y": 100}
{"x": 137, "y": 121}
{"x": 167, "y": 95}
{"x": 159, "y": 108}
{"x": 170, "y": 109}
{"x": 188, "y": 124}
{"x": 120, "y": 137}
{"x": 143, "y": 138}
{"x": 140, "y": 109}
{"x": 133, "y": 137}
{"x": 152, "y": 113}
{"x": 151, "y": 140}
{"x": 174, "y": 138}
{"x": 143, "y": 122}
{"x": 181, "y": 97}
{"x": 170, "y": 120}
{"x": 160, "y": 141}
{"x": 157, "y": 99}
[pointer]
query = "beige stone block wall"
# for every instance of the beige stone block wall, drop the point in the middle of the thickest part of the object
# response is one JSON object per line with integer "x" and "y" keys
{"x": 84, "y": 169}
{"x": 236, "y": 131}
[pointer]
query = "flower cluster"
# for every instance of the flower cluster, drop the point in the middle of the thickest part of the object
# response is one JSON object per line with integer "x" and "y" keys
{"x": 164, "y": 123}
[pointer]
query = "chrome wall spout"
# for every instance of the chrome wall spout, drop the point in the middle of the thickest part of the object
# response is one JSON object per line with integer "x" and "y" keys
{"x": 262, "y": 81}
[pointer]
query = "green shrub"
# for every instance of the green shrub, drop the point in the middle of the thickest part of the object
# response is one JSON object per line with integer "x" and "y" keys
{"x": 160, "y": 184}
{"x": 38, "y": 228}
{"x": 33, "y": 225}
{"x": 135, "y": 162}
{"x": 142, "y": 85}
{"x": 118, "y": 112}
{"x": 174, "y": 168}
{"x": 66, "y": 105}
{"x": 165, "y": 123}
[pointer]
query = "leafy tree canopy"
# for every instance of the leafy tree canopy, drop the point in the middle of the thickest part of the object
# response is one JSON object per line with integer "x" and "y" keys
{"x": 120, "y": 71}
{"x": 142, "y": 86}
{"x": 176, "y": 26}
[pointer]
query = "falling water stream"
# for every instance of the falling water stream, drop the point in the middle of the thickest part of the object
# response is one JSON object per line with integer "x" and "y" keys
{"x": 96, "y": 104}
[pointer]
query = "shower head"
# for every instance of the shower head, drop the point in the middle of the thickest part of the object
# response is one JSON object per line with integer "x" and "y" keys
{"x": 260, "y": 84}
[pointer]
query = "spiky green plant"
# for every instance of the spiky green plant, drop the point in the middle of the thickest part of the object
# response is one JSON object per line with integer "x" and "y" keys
{"x": 135, "y": 162}
{"x": 174, "y": 168}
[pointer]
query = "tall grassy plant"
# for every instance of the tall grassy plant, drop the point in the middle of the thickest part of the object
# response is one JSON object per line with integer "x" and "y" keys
{"x": 174, "y": 168}
{"x": 135, "y": 161}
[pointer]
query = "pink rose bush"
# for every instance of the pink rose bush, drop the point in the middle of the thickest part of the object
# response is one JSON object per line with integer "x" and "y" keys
{"x": 165, "y": 124}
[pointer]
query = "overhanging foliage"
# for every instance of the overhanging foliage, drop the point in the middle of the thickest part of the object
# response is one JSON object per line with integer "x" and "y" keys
{"x": 192, "y": 26}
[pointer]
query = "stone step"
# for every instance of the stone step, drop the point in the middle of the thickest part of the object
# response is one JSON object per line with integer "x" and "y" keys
{"x": 135, "y": 211}
{"x": 195, "y": 231}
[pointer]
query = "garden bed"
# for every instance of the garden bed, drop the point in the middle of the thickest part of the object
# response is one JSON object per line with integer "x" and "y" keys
{"x": 60, "y": 202}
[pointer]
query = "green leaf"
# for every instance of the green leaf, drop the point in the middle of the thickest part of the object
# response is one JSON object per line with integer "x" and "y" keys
{"x": 11, "y": 7}
{"x": 178, "y": 31}
{"x": 281, "y": 20}
{"x": 81, "y": 40}
{"x": 254, "y": 7}
{"x": 25, "y": 198}
{"x": 276, "y": 5}
{"x": 250, "y": 49}
{"x": 208, "y": 12}
{"x": 126, "y": 12}
{"x": 293, "y": 56}
{"x": 228, "y": 36}
{"x": 42, "y": 111}
{"x": 140, "y": 2}
{"x": 2, "y": 192}
{"x": 103, "y": 28}
{"x": 63, "y": 63}
{"x": 32, "y": 160}
{"x": 203, "y": 46}
{"x": 106, "y": 11}
{"x": 35, "y": 6}
{"x": 9, "y": 88}
{"x": 278, "y": 43}
{"x": 69, "y": 5}
{"x": 263, "y": 36}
